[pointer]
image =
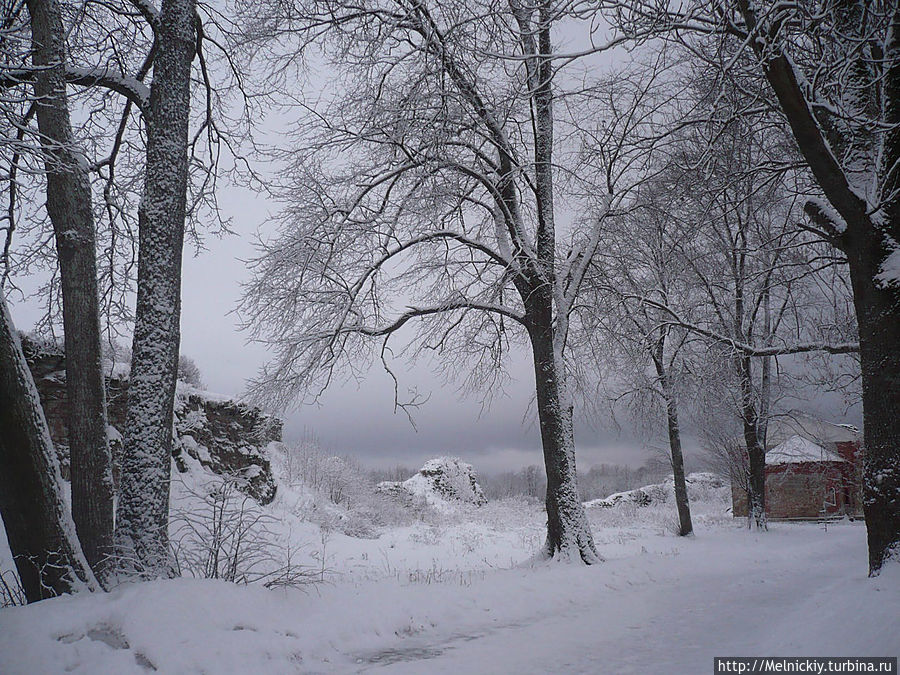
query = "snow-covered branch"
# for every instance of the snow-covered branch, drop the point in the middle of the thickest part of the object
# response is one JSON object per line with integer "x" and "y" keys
{"x": 133, "y": 89}
{"x": 674, "y": 319}
{"x": 148, "y": 10}
{"x": 421, "y": 312}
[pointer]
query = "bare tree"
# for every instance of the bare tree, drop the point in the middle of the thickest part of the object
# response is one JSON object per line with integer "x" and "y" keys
{"x": 642, "y": 257}
{"x": 832, "y": 69}
{"x": 431, "y": 181}
{"x": 37, "y": 520}
{"x": 732, "y": 188}
{"x": 737, "y": 258}
{"x": 189, "y": 372}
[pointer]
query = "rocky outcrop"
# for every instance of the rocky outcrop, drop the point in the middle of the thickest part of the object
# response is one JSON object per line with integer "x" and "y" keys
{"x": 224, "y": 435}
{"x": 701, "y": 487}
{"x": 441, "y": 482}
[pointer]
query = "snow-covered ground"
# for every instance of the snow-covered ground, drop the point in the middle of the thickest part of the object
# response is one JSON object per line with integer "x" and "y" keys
{"x": 454, "y": 593}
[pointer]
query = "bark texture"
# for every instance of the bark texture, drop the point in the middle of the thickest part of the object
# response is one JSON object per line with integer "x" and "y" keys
{"x": 142, "y": 519}
{"x": 756, "y": 447}
{"x": 878, "y": 318}
{"x": 568, "y": 531}
{"x": 756, "y": 479}
{"x": 69, "y": 208}
{"x": 38, "y": 524}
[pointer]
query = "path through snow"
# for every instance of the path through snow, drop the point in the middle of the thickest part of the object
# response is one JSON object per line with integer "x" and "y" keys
{"x": 794, "y": 591}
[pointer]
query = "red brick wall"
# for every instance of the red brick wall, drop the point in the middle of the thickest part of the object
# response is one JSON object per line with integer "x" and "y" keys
{"x": 801, "y": 490}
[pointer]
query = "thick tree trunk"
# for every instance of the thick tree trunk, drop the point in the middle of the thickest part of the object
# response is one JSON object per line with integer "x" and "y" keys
{"x": 69, "y": 208}
{"x": 878, "y": 318}
{"x": 142, "y": 522}
{"x": 568, "y": 532}
{"x": 38, "y": 523}
{"x": 756, "y": 480}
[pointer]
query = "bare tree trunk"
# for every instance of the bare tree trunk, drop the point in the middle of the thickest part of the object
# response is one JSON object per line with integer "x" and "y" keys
{"x": 756, "y": 451}
{"x": 568, "y": 531}
{"x": 38, "y": 524}
{"x": 142, "y": 523}
{"x": 863, "y": 236}
{"x": 878, "y": 318}
{"x": 69, "y": 208}
{"x": 685, "y": 526}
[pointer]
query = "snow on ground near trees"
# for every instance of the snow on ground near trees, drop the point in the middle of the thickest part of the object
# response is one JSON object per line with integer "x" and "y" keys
{"x": 443, "y": 596}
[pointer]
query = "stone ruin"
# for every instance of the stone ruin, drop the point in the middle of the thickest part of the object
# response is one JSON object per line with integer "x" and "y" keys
{"x": 225, "y": 436}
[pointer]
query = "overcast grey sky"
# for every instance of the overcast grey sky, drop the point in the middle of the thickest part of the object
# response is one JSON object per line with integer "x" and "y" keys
{"x": 358, "y": 418}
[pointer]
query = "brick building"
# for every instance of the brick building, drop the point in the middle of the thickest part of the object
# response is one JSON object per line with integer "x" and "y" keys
{"x": 813, "y": 470}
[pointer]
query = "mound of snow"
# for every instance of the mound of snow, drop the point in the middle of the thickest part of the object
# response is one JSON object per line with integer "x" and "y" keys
{"x": 701, "y": 487}
{"x": 444, "y": 483}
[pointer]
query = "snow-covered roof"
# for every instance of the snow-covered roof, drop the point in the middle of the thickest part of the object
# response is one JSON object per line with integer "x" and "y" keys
{"x": 783, "y": 428}
{"x": 797, "y": 450}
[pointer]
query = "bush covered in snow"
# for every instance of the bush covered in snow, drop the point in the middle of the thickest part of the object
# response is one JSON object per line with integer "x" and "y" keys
{"x": 336, "y": 492}
{"x": 217, "y": 531}
{"x": 653, "y": 506}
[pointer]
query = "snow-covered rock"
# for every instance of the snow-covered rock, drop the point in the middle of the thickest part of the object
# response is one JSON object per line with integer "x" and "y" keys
{"x": 223, "y": 435}
{"x": 227, "y": 437}
{"x": 700, "y": 485}
{"x": 444, "y": 482}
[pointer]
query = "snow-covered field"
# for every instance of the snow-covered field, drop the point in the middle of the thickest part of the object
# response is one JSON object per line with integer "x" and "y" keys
{"x": 455, "y": 593}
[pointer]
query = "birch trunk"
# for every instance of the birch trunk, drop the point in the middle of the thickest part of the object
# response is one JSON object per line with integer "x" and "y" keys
{"x": 142, "y": 523}
{"x": 69, "y": 208}
{"x": 38, "y": 523}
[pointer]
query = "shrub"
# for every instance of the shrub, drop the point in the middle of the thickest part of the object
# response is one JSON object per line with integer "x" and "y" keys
{"x": 218, "y": 532}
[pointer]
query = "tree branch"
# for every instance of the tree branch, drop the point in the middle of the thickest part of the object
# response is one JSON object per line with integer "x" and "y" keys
{"x": 742, "y": 347}
{"x": 418, "y": 312}
{"x": 133, "y": 89}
